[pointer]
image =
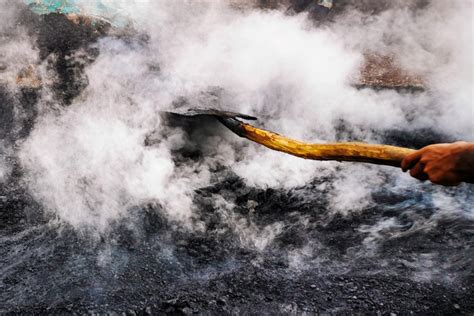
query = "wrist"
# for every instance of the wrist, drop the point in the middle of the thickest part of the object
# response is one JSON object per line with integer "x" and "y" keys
{"x": 465, "y": 161}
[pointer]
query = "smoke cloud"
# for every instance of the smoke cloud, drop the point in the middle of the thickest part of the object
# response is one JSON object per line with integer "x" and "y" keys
{"x": 88, "y": 163}
{"x": 4, "y": 167}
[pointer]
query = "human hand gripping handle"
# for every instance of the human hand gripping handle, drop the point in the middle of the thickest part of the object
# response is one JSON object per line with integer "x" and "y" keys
{"x": 445, "y": 164}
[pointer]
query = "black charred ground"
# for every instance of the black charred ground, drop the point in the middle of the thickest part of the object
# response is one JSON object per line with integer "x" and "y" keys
{"x": 155, "y": 267}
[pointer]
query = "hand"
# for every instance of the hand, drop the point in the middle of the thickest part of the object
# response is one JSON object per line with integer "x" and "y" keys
{"x": 446, "y": 164}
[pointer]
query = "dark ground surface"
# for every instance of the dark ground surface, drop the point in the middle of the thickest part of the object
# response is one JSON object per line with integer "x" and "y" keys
{"x": 153, "y": 266}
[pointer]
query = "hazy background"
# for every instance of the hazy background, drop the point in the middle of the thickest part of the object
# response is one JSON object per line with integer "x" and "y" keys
{"x": 87, "y": 163}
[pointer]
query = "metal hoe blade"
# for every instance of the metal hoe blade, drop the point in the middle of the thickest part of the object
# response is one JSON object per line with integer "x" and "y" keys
{"x": 190, "y": 112}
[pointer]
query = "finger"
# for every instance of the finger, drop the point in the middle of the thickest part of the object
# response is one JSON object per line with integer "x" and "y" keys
{"x": 418, "y": 172}
{"x": 410, "y": 160}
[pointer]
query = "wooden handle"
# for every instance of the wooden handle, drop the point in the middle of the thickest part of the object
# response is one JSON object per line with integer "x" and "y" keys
{"x": 355, "y": 152}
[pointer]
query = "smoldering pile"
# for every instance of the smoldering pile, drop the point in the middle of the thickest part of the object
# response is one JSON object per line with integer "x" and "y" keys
{"x": 105, "y": 207}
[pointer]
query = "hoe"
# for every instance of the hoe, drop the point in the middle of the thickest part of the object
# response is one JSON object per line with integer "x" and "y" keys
{"x": 350, "y": 151}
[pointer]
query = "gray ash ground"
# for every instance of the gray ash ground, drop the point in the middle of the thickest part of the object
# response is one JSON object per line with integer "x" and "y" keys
{"x": 158, "y": 268}
{"x": 149, "y": 265}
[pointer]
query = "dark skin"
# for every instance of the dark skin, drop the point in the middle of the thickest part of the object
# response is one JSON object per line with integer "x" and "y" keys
{"x": 445, "y": 164}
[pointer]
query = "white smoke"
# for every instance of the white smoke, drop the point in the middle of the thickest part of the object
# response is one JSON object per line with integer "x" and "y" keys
{"x": 4, "y": 165}
{"x": 17, "y": 49}
{"x": 435, "y": 43}
{"x": 88, "y": 163}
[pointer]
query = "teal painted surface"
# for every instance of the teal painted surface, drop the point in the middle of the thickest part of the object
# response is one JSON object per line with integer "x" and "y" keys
{"x": 92, "y": 8}
{"x": 53, "y": 6}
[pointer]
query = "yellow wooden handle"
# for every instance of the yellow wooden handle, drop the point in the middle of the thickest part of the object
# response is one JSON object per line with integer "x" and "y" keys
{"x": 355, "y": 152}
